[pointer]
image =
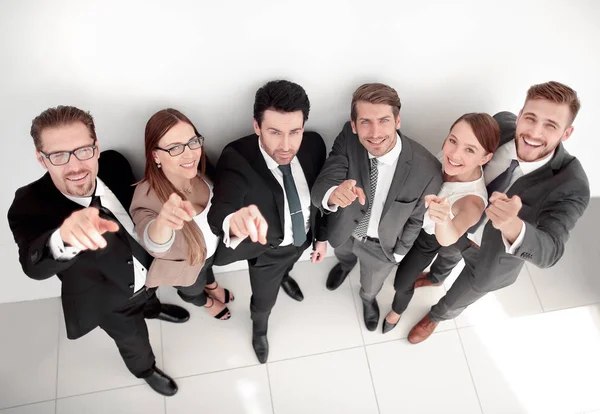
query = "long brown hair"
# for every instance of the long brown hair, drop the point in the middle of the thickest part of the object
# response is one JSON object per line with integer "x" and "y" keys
{"x": 158, "y": 125}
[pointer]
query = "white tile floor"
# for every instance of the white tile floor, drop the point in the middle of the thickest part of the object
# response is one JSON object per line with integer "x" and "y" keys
{"x": 531, "y": 348}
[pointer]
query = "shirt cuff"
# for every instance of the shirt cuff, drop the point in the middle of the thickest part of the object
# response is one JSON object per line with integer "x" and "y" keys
{"x": 326, "y": 206}
{"x": 398, "y": 257}
{"x": 511, "y": 249}
{"x": 154, "y": 247}
{"x": 58, "y": 250}
{"x": 228, "y": 241}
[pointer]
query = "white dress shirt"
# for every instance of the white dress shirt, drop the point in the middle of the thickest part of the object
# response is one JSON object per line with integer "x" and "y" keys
{"x": 501, "y": 161}
{"x": 108, "y": 199}
{"x": 386, "y": 167}
{"x": 303, "y": 194}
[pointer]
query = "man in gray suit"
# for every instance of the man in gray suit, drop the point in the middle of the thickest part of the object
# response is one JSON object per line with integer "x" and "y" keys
{"x": 537, "y": 193}
{"x": 379, "y": 224}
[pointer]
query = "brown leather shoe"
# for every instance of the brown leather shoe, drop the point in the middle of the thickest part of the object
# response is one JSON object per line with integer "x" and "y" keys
{"x": 422, "y": 330}
{"x": 422, "y": 281}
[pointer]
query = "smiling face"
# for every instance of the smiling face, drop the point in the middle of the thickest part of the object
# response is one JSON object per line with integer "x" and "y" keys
{"x": 541, "y": 126}
{"x": 376, "y": 127}
{"x": 75, "y": 178}
{"x": 185, "y": 165}
{"x": 280, "y": 134}
{"x": 463, "y": 153}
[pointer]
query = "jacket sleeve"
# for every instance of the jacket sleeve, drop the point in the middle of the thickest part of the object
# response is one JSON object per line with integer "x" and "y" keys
{"x": 413, "y": 225}
{"x": 143, "y": 210}
{"x": 544, "y": 242}
{"x": 335, "y": 169}
{"x": 230, "y": 189}
{"x": 31, "y": 236}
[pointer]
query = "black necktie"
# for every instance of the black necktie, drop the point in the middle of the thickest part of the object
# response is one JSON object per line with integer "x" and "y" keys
{"x": 298, "y": 229}
{"x": 500, "y": 184}
{"x": 137, "y": 251}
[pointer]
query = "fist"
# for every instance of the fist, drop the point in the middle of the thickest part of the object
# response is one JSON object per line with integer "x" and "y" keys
{"x": 249, "y": 222}
{"x": 175, "y": 212}
{"x": 503, "y": 211}
{"x": 346, "y": 193}
{"x": 438, "y": 209}
{"x": 84, "y": 229}
{"x": 318, "y": 254}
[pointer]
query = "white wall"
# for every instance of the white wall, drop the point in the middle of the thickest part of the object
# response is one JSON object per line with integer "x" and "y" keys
{"x": 123, "y": 60}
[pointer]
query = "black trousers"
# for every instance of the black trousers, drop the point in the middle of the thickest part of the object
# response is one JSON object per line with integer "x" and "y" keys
{"x": 195, "y": 293}
{"x": 126, "y": 325}
{"x": 416, "y": 260}
{"x": 266, "y": 273}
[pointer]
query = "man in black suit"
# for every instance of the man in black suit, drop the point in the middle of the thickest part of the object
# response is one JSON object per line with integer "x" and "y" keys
{"x": 261, "y": 200}
{"x": 74, "y": 222}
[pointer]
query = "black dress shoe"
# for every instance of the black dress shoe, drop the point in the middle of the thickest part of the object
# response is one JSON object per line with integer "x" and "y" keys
{"x": 290, "y": 287}
{"x": 172, "y": 313}
{"x": 161, "y": 383}
{"x": 336, "y": 277}
{"x": 371, "y": 315}
{"x": 261, "y": 347}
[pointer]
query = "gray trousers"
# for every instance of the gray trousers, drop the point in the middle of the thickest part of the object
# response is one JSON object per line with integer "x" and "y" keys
{"x": 375, "y": 267}
{"x": 473, "y": 282}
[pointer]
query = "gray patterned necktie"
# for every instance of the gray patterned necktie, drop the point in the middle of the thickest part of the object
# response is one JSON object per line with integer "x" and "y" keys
{"x": 363, "y": 225}
{"x": 291, "y": 193}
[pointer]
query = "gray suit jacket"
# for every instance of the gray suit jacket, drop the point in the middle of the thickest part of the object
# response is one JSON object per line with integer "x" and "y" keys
{"x": 418, "y": 174}
{"x": 554, "y": 198}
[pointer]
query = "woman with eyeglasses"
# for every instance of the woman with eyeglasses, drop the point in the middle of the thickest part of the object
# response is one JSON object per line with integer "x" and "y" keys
{"x": 169, "y": 210}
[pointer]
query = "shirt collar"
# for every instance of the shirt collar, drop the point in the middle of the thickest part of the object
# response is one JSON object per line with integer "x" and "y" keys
{"x": 528, "y": 167}
{"x": 391, "y": 157}
{"x": 271, "y": 163}
{"x": 86, "y": 201}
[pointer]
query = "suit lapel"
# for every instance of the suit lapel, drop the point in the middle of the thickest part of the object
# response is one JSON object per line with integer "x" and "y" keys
{"x": 307, "y": 165}
{"x": 402, "y": 170}
{"x": 261, "y": 168}
{"x": 540, "y": 175}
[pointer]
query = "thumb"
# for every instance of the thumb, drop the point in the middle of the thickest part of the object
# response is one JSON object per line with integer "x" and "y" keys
{"x": 497, "y": 196}
{"x": 350, "y": 183}
{"x": 429, "y": 199}
{"x": 516, "y": 200}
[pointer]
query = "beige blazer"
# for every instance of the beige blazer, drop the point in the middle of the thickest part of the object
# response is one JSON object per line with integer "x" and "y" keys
{"x": 170, "y": 268}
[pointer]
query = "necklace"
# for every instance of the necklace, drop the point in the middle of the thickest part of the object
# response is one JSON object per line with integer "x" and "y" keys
{"x": 189, "y": 190}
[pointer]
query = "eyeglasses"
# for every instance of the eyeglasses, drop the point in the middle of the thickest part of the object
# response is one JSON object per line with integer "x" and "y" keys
{"x": 63, "y": 157}
{"x": 193, "y": 144}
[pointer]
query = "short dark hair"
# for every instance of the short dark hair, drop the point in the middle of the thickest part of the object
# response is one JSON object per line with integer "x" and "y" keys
{"x": 60, "y": 116}
{"x": 375, "y": 93}
{"x": 280, "y": 96}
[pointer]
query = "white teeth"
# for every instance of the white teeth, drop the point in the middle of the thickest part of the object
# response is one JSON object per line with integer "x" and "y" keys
{"x": 191, "y": 164}
{"x": 452, "y": 163}
{"x": 76, "y": 178}
{"x": 533, "y": 144}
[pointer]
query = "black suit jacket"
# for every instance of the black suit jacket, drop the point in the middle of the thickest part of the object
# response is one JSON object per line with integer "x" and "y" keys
{"x": 94, "y": 282}
{"x": 243, "y": 178}
{"x": 554, "y": 197}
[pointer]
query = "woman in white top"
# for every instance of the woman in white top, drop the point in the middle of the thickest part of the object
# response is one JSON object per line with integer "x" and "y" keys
{"x": 470, "y": 144}
{"x": 169, "y": 210}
